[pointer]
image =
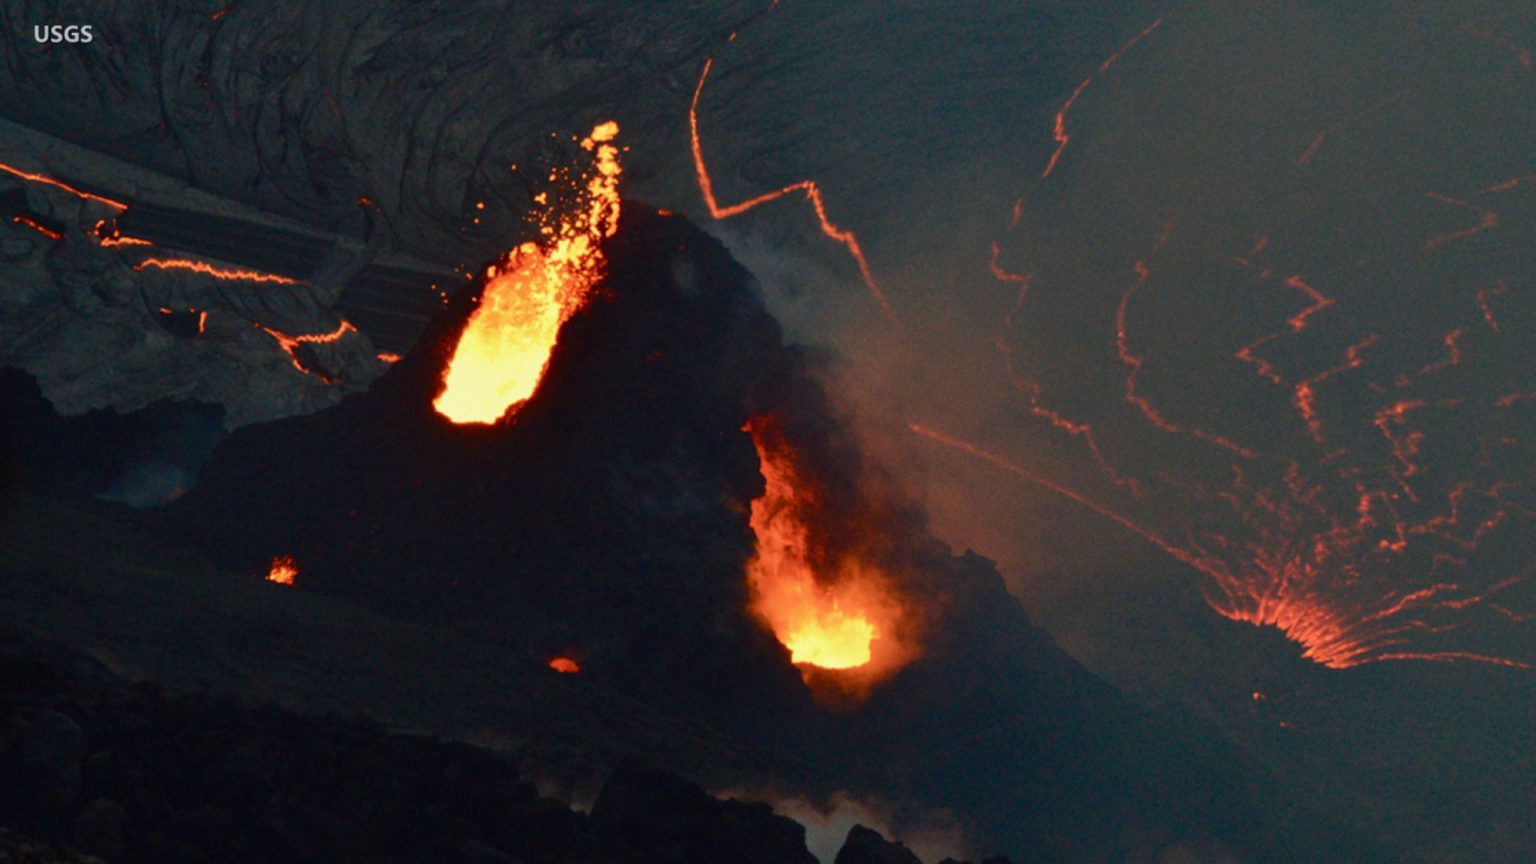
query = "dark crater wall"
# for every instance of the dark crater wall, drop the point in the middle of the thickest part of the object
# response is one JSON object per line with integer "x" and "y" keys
{"x": 607, "y": 520}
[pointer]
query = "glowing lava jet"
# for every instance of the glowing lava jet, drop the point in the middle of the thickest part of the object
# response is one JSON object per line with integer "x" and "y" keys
{"x": 832, "y": 611}
{"x": 283, "y": 570}
{"x": 506, "y": 344}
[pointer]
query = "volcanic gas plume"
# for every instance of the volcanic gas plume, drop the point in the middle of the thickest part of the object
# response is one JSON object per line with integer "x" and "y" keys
{"x": 830, "y": 603}
{"x": 834, "y": 614}
{"x": 505, "y": 346}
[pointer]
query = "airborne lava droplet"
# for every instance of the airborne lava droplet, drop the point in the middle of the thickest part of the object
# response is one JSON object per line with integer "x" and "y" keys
{"x": 565, "y": 666}
{"x": 506, "y": 344}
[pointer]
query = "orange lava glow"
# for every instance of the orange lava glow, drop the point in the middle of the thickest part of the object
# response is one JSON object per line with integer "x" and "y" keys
{"x": 1284, "y": 591}
{"x": 1350, "y": 546}
{"x": 501, "y": 356}
{"x": 39, "y": 228}
{"x": 206, "y": 269}
{"x": 811, "y": 191}
{"x": 830, "y": 614}
{"x": 283, "y": 570}
{"x": 290, "y": 344}
{"x": 565, "y": 666}
{"x": 49, "y": 181}
{"x": 1059, "y": 132}
{"x": 1374, "y": 534}
{"x": 123, "y": 240}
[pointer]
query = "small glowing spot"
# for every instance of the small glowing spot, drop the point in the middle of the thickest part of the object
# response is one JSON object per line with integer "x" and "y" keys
{"x": 39, "y": 228}
{"x": 283, "y": 570}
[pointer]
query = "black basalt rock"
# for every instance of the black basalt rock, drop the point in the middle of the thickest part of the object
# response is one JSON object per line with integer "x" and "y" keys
{"x": 645, "y": 816}
{"x": 866, "y": 846}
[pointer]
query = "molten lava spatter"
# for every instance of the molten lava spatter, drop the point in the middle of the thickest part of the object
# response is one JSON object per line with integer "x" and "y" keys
{"x": 506, "y": 343}
{"x": 830, "y": 611}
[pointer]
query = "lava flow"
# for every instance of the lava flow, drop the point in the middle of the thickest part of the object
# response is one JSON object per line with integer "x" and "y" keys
{"x": 506, "y": 343}
{"x": 830, "y": 610}
{"x": 39, "y": 228}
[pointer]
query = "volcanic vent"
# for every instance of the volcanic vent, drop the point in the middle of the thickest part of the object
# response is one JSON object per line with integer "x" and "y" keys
{"x": 828, "y": 606}
{"x": 505, "y": 346}
{"x": 677, "y": 509}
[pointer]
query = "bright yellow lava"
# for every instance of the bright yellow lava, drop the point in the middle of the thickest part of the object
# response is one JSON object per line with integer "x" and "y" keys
{"x": 833, "y": 626}
{"x": 505, "y": 346}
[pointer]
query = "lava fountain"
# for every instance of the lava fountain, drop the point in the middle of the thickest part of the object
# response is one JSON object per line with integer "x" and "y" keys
{"x": 832, "y": 610}
{"x": 505, "y": 346}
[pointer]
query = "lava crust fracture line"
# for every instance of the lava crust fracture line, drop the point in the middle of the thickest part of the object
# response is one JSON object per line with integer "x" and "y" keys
{"x": 49, "y": 181}
{"x": 1059, "y": 125}
{"x": 207, "y": 269}
{"x": 812, "y": 193}
{"x": 1030, "y": 477}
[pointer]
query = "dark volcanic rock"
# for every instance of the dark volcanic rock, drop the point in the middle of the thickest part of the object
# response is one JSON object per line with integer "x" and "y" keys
{"x": 208, "y": 778}
{"x": 98, "y": 828}
{"x": 425, "y": 105}
{"x": 45, "y": 755}
{"x": 584, "y": 525}
{"x": 141, "y": 457}
{"x": 607, "y": 520}
{"x": 644, "y": 816}
{"x": 865, "y": 846}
